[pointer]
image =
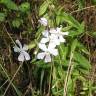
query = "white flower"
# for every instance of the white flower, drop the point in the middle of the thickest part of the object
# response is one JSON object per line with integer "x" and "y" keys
{"x": 53, "y": 36}
{"x": 52, "y": 39}
{"x": 43, "y": 21}
{"x": 47, "y": 52}
{"x": 45, "y": 33}
{"x": 59, "y": 34}
{"x": 22, "y": 50}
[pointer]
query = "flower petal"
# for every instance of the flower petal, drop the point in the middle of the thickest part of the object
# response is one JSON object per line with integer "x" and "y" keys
{"x": 19, "y": 43}
{"x": 54, "y": 39}
{"x": 58, "y": 29}
{"x": 47, "y": 58}
{"x": 25, "y": 47}
{"x": 40, "y": 55}
{"x": 21, "y": 57}
{"x": 53, "y": 31}
{"x": 53, "y": 52}
{"x": 42, "y": 47}
{"x": 44, "y": 40}
{"x": 64, "y": 33}
{"x": 26, "y": 55}
{"x": 45, "y": 33}
{"x": 43, "y": 21}
{"x": 51, "y": 45}
{"x": 61, "y": 38}
{"x": 16, "y": 49}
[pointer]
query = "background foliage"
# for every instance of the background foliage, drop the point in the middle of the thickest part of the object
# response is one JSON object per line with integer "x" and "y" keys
{"x": 73, "y": 72}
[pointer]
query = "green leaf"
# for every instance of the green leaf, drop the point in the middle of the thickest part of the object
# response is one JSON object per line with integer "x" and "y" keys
{"x": 9, "y": 4}
{"x": 63, "y": 51}
{"x": 69, "y": 19}
{"x": 65, "y": 17}
{"x": 94, "y": 1}
{"x": 82, "y": 61}
{"x": 80, "y": 3}
{"x": 16, "y": 23}
{"x": 42, "y": 64}
{"x": 43, "y": 8}
{"x": 31, "y": 45}
{"x": 83, "y": 48}
{"x": 2, "y": 16}
{"x": 77, "y": 32}
{"x": 24, "y": 7}
{"x": 74, "y": 45}
{"x": 73, "y": 33}
{"x": 94, "y": 34}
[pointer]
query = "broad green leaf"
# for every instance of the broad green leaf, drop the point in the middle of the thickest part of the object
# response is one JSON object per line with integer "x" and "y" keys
{"x": 78, "y": 31}
{"x": 43, "y": 8}
{"x": 73, "y": 33}
{"x": 9, "y": 4}
{"x": 64, "y": 29}
{"x": 24, "y": 7}
{"x": 59, "y": 17}
{"x": 82, "y": 48}
{"x": 74, "y": 45}
{"x": 70, "y": 20}
{"x": 82, "y": 61}
{"x": 81, "y": 28}
{"x": 2, "y": 16}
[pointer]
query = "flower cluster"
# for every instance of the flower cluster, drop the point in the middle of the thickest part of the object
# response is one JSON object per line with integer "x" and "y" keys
{"x": 51, "y": 38}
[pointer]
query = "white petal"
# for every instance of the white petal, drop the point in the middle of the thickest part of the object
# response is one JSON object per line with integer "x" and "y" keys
{"x": 64, "y": 33}
{"x": 16, "y": 49}
{"x": 58, "y": 29}
{"x": 43, "y": 21}
{"x": 54, "y": 39}
{"x": 53, "y": 36}
{"x": 52, "y": 30}
{"x": 26, "y": 55}
{"x": 21, "y": 57}
{"x": 40, "y": 55}
{"x": 42, "y": 47}
{"x": 61, "y": 39}
{"x": 45, "y": 33}
{"x": 19, "y": 43}
{"x": 25, "y": 47}
{"x": 51, "y": 45}
{"x": 44, "y": 40}
{"x": 57, "y": 41}
{"x": 47, "y": 58}
{"x": 53, "y": 52}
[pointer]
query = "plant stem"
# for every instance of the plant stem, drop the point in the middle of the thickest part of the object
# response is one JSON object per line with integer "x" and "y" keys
{"x": 12, "y": 79}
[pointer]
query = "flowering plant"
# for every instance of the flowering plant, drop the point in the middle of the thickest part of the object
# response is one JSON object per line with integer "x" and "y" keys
{"x": 51, "y": 38}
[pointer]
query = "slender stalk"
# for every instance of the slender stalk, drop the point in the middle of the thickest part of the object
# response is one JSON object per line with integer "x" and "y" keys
{"x": 50, "y": 80}
{"x": 9, "y": 79}
{"x": 70, "y": 67}
{"x": 93, "y": 6}
{"x": 12, "y": 79}
{"x": 3, "y": 83}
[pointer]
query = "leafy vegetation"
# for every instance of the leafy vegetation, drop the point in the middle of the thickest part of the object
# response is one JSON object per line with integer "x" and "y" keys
{"x": 72, "y": 72}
